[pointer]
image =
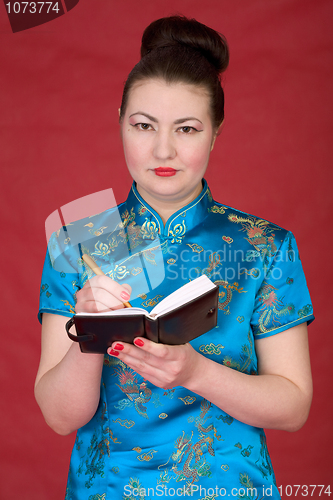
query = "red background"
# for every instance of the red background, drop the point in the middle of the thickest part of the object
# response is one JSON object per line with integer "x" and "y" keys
{"x": 61, "y": 87}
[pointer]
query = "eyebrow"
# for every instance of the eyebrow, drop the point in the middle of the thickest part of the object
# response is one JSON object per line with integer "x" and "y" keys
{"x": 176, "y": 122}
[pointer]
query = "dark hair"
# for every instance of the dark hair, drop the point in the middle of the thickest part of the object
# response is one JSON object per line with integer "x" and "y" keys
{"x": 177, "y": 49}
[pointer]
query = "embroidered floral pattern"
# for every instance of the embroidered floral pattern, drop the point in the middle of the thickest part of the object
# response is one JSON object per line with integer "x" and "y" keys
{"x": 149, "y": 230}
{"x": 217, "y": 210}
{"x": 178, "y": 233}
{"x": 211, "y": 348}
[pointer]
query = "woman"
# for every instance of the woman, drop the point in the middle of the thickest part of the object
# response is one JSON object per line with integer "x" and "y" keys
{"x": 185, "y": 420}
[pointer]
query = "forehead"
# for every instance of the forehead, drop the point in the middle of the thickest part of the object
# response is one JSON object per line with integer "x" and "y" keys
{"x": 158, "y": 96}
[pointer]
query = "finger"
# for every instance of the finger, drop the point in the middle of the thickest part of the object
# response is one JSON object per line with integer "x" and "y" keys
{"x": 169, "y": 363}
{"x": 93, "y": 306}
{"x": 94, "y": 300}
{"x": 143, "y": 352}
{"x": 155, "y": 349}
{"x": 163, "y": 365}
{"x": 101, "y": 293}
{"x": 126, "y": 349}
{"x": 129, "y": 351}
{"x": 141, "y": 362}
{"x": 121, "y": 292}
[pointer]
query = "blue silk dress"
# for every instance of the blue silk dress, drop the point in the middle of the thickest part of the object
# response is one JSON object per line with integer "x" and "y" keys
{"x": 145, "y": 442}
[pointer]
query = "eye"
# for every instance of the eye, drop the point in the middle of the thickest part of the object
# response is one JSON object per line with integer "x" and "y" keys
{"x": 186, "y": 129}
{"x": 143, "y": 126}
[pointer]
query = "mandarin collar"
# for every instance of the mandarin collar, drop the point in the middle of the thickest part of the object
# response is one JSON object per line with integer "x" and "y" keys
{"x": 178, "y": 223}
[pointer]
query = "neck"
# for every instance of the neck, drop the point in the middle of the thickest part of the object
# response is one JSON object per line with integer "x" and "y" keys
{"x": 165, "y": 208}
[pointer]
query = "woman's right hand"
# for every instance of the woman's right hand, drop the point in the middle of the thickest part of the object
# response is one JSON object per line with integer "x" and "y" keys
{"x": 101, "y": 293}
{"x": 68, "y": 406}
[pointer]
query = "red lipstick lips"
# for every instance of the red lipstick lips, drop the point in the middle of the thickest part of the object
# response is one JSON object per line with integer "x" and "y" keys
{"x": 165, "y": 171}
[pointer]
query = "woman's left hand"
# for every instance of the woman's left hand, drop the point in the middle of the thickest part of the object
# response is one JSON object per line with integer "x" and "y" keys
{"x": 165, "y": 366}
{"x": 277, "y": 397}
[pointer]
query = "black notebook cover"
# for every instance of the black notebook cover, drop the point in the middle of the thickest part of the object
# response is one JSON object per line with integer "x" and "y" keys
{"x": 178, "y": 326}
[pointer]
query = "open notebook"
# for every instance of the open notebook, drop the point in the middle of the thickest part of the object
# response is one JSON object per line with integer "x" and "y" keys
{"x": 188, "y": 312}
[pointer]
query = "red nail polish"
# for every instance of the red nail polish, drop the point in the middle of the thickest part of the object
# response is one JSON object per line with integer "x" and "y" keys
{"x": 139, "y": 342}
{"x": 125, "y": 295}
{"x": 119, "y": 347}
{"x": 112, "y": 352}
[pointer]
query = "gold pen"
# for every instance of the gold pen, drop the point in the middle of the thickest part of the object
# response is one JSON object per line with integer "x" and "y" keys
{"x": 97, "y": 270}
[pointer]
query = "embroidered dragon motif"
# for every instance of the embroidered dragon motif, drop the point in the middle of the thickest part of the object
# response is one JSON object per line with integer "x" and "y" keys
{"x": 272, "y": 308}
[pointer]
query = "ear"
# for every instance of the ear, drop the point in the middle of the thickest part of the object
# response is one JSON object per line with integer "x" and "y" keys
{"x": 217, "y": 132}
{"x": 119, "y": 112}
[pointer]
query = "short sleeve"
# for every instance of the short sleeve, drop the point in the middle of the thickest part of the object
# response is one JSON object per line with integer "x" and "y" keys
{"x": 58, "y": 286}
{"x": 283, "y": 300}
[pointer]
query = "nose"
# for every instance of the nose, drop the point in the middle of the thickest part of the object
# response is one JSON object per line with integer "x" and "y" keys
{"x": 164, "y": 146}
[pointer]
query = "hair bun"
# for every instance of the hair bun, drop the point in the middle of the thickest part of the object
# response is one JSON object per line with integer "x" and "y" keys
{"x": 180, "y": 50}
{"x": 178, "y": 30}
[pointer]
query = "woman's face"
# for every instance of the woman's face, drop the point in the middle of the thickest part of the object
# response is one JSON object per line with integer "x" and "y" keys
{"x": 167, "y": 135}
